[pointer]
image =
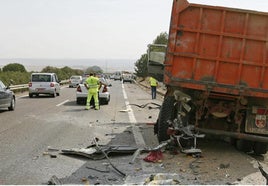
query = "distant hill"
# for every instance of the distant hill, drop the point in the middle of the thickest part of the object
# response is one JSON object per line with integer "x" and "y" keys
{"x": 107, "y": 65}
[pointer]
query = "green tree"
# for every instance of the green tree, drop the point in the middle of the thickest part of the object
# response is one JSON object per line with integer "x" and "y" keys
{"x": 94, "y": 69}
{"x": 62, "y": 73}
{"x": 14, "y": 67}
{"x": 141, "y": 68}
{"x": 162, "y": 38}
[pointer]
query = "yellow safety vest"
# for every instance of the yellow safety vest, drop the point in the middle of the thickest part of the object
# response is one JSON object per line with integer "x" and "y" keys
{"x": 153, "y": 82}
{"x": 93, "y": 83}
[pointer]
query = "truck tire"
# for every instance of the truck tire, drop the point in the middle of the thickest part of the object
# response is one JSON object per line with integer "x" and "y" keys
{"x": 260, "y": 148}
{"x": 167, "y": 112}
{"x": 244, "y": 145}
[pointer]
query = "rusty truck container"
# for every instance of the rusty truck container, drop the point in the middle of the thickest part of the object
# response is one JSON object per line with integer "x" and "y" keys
{"x": 223, "y": 49}
{"x": 218, "y": 55}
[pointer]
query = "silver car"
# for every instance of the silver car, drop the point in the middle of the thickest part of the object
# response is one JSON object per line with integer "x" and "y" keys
{"x": 104, "y": 92}
{"x": 75, "y": 81}
{"x": 7, "y": 97}
{"x": 44, "y": 83}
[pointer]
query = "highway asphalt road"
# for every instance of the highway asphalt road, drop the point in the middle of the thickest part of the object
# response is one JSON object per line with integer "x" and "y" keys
{"x": 39, "y": 122}
{"x": 42, "y": 122}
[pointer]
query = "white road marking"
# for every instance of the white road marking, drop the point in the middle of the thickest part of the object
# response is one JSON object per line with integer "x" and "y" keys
{"x": 136, "y": 130}
{"x": 62, "y": 103}
{"x": 23, "y": 96}
{"x": 131, "y": 116}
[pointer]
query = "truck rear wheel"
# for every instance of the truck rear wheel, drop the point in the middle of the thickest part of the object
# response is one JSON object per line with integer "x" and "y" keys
{"x": 260, "y": 148}
{"x": 244, "y": 145}
{"x": 167, "y": 112}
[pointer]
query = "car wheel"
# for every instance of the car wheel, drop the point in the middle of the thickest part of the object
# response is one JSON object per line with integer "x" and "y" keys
{"x": 78, "y": 101}
{"x": 12, "y": 104}
{"x": 107, "y": 101}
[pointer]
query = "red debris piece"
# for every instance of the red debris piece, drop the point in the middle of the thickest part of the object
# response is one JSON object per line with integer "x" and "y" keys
{"x": 154, "y": 156}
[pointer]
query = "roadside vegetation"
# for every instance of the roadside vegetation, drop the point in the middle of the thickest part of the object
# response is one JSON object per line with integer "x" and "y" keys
{"x": 15, "y": 73}
{"x": 141, "y": 69}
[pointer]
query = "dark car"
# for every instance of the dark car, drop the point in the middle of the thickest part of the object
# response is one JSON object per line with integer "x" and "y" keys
{"x": 7, "y": 97}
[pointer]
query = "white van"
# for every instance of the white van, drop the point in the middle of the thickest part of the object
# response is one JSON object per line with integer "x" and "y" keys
{"x": 117, "y": 76}
{"x": 44, "y": 83}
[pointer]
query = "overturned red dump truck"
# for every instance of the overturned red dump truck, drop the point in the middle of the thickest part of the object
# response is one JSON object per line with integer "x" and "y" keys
{"x": 215, "y": 68}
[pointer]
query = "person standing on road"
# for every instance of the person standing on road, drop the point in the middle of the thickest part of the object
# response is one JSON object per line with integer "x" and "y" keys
{"x": 92, "y": 83}
{"x": 153, "y": 83}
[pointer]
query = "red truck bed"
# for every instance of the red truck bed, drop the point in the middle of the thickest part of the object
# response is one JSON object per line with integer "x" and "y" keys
{"x": 218, "y": 48}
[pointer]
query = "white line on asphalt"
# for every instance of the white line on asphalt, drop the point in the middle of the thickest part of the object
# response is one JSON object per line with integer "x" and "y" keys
{"x": 23, "y": 96}
{"x": 136, "y": 130}
{"x": 131, "y": 116}
{"x": 62, "y": 103}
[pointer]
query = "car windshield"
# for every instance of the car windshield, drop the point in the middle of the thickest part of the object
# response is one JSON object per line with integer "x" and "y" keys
{"x": 41, "y": 78}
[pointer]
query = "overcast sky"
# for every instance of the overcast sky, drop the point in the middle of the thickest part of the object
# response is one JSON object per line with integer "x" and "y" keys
{"x": 107, "y": 29}
{"x": 81, "y": 28}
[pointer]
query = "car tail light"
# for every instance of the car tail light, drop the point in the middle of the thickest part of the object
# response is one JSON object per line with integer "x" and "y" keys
{"x": 105, "y": 89}
{"x": 78, "y": 89}
{"x": 30, "y": 84}
{"x": 52, "y": 85}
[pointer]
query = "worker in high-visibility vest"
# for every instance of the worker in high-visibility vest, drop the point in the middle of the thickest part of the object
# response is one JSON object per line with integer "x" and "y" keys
{"x": 153, "y": 83}
{"x": 92, "y": 83}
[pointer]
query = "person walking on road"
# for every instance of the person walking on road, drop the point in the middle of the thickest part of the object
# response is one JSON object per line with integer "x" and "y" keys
{"x": 92, "y": 83}
{"x": 153, "y": 83}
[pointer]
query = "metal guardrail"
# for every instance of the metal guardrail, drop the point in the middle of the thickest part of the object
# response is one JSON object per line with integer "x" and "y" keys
{"x": 18, "y": 87}
{"x": 24, "y": 87}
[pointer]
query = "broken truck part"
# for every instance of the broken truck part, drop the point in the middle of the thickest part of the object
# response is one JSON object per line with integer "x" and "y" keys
{"x": 217, "y": 57}
{"x": 95, "y": 152}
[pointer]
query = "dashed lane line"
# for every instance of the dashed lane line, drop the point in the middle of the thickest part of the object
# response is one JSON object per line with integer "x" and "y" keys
{"x": 136, "y": 130}
{"x": 62, "y": 103}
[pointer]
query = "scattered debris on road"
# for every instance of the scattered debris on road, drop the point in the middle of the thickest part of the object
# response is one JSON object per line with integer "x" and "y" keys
{"x": 50, "y": 154}
{"x": 54, "y": 180}
{"x": 149, "y": 107}
{"x": 265, "y": 175}
{"x": 96, "y": 152}
{"x": 155, "y": 153}
{"x": 95, "y": 141}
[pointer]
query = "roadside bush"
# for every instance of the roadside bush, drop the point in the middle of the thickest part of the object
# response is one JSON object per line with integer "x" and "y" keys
{"x": 15, "y": 78}
{"x": 15, "y": 74}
